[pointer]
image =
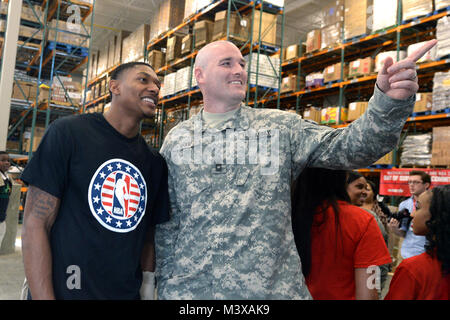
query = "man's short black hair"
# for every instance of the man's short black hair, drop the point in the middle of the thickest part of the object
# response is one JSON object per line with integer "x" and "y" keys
{"x": 125, "y": 66}
{"x": 121, "y": 68}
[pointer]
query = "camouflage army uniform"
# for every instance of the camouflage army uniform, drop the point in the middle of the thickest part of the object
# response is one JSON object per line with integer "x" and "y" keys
{"x": 230, "y": 234}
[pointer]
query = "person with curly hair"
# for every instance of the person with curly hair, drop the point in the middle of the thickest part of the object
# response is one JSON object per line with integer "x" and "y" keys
{"x": 427, "y": 276}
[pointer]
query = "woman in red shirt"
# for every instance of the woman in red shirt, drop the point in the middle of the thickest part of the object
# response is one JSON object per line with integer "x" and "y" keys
{"x": 427, "y": 276}
{"x": 340, "y": 245}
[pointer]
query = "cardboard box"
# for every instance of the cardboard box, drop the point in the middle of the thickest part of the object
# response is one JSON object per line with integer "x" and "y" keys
{"x": 333, "y": 73}
{"x": 441, "y": 4}
{"x": 238, "y": 27}
{"x": 313, "y": 40}
{"x": 203, "y": 33}
{"x": 102, "y": 60}
{"x": 190, "y": 7}
{"x": 135, "y": 44}
{"x": 313, "y": 114}
{"x": 23, "y": 91}
{"x": 361, "y": 67}
{"x": 291, "y": 52}
{"x": 333, "y": 115}
{"x": 120, "y": 36}
{"x": 30, "y": 15}
{"x": 356, "y": 109}
{"x": 333, "y": 13}
{"x": 37, "y": 137}
{"x": 289, "y": 83}
{"x": 111, "y": 51}
{"x": 78, "y": 36}
{"x": 93, "y": 65}
{"x": 331, "y": 35}
{"x": 156, "y": 59}
{"x": 441, "y": 146}
{"x": 173, "y": 50}
{"x": 416, "y": 8}
{"x": 186, "y": 44}
{"x": 384, "y": 14}
{"x": 357, "y": 18}
{"x": 268, "y": 27}
{"x": 423, "y": 102}
{"x": 171, "y": 14}
{"x": 314, "y": 80}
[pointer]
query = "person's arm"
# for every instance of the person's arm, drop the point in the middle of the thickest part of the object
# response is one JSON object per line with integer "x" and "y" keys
{"x": 362, "y": 288}
{"x": 147, "y": 290}
{"x": 40, "y": 213}
{"x": 372, "y": 135}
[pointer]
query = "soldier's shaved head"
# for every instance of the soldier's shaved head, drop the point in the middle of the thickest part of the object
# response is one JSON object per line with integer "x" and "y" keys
{"x": 202, "y": 58}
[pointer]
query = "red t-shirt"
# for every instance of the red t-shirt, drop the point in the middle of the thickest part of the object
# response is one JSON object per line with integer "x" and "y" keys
{"x": 419, "y": 278}
{"x": 334, "y": 257}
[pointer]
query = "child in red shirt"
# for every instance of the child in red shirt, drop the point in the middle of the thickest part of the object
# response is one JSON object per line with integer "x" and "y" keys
{"x": 340, "y": 245}
{"x": 427, "y": 276}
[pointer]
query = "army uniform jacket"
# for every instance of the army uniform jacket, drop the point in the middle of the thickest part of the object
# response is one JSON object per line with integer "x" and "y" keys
{"x": 230, "y": 233}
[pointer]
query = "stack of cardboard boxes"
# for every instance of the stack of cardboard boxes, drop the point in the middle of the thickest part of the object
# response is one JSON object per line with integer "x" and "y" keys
{"x": 109, "y": 56}
{"x": 335, "y": 72}
{"x": 441, "y": 4}
{"x": 37, "y": 137}
{"x": 169, "y": 15}
{"x": 443, "y": 37}
{"x": 356, "y": 109}
{"x": 441, "y": 90}
{"x": 360, "y": 67}
{"x": 357, "y": 18}
{"x": 333, "y": 115}
{"x": 313, "y": 40}
{"x": 441, "y": 146}
{"x": 267, "y": 72}
{"x": 267, "y": 28}
{"x": 384, "y": 14}
{"x": 312, "y": 113}
{"x": 416, "y": 8}
{"x": 333, "y": 21}
{"x": 203, "y": 31}
{"x": 173, "y": 49}
{"x": 136, "y": 44}
{"x": 66, "y": 91}
{"x": 156, "y": 59}
{"x": 289, "y": 83}
{"x": 424, "y": 102}
{"x": 69, "y": 33}
{"x": 238, "y": 28}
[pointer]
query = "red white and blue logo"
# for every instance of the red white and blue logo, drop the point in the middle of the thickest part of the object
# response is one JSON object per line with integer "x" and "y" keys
{"x": 118, "y": 195}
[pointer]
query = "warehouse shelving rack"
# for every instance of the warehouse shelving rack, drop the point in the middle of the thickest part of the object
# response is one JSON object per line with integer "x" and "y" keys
{"x": 191, "y": 97}
{"x": 396, "y": 37}
{"x": 47, "y": 60}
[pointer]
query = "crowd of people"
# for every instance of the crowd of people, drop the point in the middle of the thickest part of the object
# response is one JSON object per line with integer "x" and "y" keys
{"x": 213, "y": 216}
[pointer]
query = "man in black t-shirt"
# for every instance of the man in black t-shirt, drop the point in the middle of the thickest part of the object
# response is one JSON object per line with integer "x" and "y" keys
{"x": 96, "y": 191}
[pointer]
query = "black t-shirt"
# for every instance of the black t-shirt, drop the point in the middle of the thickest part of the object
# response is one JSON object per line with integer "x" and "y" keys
{"x": 112, "y": 189}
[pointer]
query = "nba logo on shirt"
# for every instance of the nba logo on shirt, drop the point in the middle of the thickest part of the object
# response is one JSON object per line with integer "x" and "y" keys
{"x": 118, "y": 195}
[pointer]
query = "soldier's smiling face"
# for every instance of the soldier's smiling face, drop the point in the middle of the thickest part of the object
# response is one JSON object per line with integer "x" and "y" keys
{"x": 223, "y": 75}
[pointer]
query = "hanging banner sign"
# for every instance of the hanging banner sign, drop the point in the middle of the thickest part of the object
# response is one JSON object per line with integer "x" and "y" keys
{"x": 394, "y": 182}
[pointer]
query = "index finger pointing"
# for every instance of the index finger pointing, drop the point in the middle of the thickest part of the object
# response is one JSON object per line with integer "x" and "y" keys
{"x": 417, "y": 54}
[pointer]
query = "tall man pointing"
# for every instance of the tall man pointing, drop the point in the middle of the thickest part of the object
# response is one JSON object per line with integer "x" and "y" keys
{"x": 230, "y": 170}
